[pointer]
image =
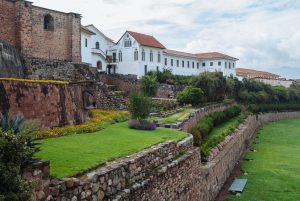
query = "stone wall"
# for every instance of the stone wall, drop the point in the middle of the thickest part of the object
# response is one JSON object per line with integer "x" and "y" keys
{"x": 168, "y": 171}
{"x": 51, "y": 104}
{"x": 38, "y": 68}
{"x": 126, "y": 83}
{"x": 168, "y": 91}
{"x": 11, "y": 62}
{"x": 22, "y": 25}
{"x": 194, "y": 118}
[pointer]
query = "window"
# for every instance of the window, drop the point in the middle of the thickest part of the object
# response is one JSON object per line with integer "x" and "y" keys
{"x": 226, "y": 65}
{"x": 114, "y": 57}
{"x": 211, "y": 63}
{"x": 203, "y": 64}
{"x": 97, "y": 45}
{"x": 127, "y": 41}
{"x": 188, "y": 64}
{"x": 120, "y": 56}
{"x": 99, "y": 65}
{"x": 177, "y": 63}
{"x": 166, "y": 61}
{"x": 145, "y": 69}
{"x": 158, "y": 57}
{"x": 48, "y": 23}
{"x": 229, "y": 65}
{"x": 157, "y": 68}
{"x": 143, "y": 55}
{"x": 151, "y": 56}
{"x": 171, "y": 62}
{"x": 182, "y": 64}
{"x": 136, "y": 55}
{"x": 197, "y": 65}
{"x": 86, "y": 42}
{"x": 232, "y": 65}
{"x": 193, "y": 65}
{"x": 219, "y": 63}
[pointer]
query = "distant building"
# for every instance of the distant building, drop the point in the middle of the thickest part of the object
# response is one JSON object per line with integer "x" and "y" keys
{"x": 40, "y": 32}
{"x": 137, "y": 53}
{"x": 94, "y": 47}
{"x": 262, "y": 76}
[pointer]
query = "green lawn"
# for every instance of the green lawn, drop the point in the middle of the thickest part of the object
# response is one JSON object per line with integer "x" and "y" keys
{"x": 72, "y": 154}
{"x": 172, "y": 118}
{"x": 274, "y": 173}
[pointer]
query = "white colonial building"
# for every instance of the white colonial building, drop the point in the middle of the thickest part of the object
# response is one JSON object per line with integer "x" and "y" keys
{"x": 137, "y": 54}
{"x": 94, "y": 47}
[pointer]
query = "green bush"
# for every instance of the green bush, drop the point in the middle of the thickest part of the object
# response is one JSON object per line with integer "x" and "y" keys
{"x": 190, "y": 95}
{"x": 208, "y": 122}
{"x": 149, "y": 85}
{"x": 16, "y": 152}
{"x": 139, "y": 106}
{"x": 262, "y": 108}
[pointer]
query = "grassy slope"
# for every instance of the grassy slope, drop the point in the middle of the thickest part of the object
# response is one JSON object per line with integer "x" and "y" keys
{"x": 218, "y": 130}
{"x": 172, "y": 118}
{"x": 72, "y": 154}
{"x": 274, "y": 173}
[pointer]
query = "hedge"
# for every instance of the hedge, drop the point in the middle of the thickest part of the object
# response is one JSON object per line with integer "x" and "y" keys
{"x": 263, "y": 108}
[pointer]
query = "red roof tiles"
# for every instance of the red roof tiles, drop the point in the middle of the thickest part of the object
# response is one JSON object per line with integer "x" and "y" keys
{"x": 250, "y": 73}
{"x": 146, "y": 40}
{"x": 178, "y": 53}
{"x": 214, "y": 55}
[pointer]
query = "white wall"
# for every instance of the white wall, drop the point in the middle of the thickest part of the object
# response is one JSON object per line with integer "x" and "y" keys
{"x": 86, "y": 56}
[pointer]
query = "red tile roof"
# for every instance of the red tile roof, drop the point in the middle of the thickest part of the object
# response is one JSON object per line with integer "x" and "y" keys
{"x": 178, "y": 53}
{"x": 146, "y": 40}
{"x": 250, "y": 73}
{"x": 214, "y": 55}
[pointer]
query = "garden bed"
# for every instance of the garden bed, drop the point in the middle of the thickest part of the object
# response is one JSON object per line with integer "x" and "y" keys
{"x": 74, "y": 154}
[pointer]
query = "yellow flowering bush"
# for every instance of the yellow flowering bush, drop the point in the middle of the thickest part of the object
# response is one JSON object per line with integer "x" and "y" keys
{"x": 99, "y": 119}
{"x": 35, "y": 81}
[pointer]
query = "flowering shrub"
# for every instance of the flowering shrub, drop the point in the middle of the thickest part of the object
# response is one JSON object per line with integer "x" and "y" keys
{"x": 141, "y": 125}
{"x": 99, "y": 119}
{"x": 35, "y": 81}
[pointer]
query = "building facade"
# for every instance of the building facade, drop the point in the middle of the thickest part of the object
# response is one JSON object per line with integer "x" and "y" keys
{"x": 137, "y": 54}
{"x": 39, "y": 32}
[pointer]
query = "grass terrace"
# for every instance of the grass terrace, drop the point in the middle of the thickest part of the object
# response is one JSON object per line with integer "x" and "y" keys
{"x": 73, "y": 154}
{"x": 172, "y": 119}
{"x": 273, "y": 167}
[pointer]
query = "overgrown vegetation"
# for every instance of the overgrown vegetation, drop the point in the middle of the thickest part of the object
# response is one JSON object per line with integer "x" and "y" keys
{"x": 139, "y": 106}
{"x": 166, "y": 76}
{"x": 36, "y": 81}
{"x": 262, "y": 108}
{"x": 16, "y": 151}
{"x": 99, "y": 119}
{"x": 149, "y": 85}
{"x": 190, "y": 95}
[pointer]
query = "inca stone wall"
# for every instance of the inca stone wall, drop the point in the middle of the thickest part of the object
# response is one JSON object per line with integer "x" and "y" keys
{"x": 168, "y": 171}
{"x": 51, "y": 104}
{"x": 22, "y": 25}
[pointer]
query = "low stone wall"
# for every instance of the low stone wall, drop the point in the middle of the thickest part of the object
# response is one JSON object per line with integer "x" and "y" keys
{"x": 126, "y": 83}
{"x": 168, "y": 91}
{"x": 190, "y": 122}
{"x": 168, "y": 171}
{"x": 50, "y": 69}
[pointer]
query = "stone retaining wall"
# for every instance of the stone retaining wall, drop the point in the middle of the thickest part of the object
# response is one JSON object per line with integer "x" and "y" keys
{"x": 169, "y": 171}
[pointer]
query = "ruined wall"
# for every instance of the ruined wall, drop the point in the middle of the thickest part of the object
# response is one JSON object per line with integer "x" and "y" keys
{"x": 169, "y": 171}
{"x": 52, "y": 104}
{"x": 22, "y": 25}
{"x": 11, "y": 63}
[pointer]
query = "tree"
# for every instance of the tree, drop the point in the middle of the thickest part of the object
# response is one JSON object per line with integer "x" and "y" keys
{"x": 149, "y": 85}
{"x": 190, "y": 95}
{"x": 139, "y": 106}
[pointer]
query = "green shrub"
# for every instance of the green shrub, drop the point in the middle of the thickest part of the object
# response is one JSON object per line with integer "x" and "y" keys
{"x": 262, "y": 108}
{"x": 139, "y": 106}
{"x": 190, "y": 95}
{"x": 149, "y": 85}
{"x": 16, "y": 152}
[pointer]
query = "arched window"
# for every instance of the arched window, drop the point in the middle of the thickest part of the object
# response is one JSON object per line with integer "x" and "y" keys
{"x": 97, "y": 45}
{"x": 136, "y": 55}
{"x": 99, "y": 65}
{"x": 143, "y": 55}
{"x": 48, "y": 22}
{"x": 151, "y": 56}
{"x": 158, "y": 57}
{"x": 120, "y": 56}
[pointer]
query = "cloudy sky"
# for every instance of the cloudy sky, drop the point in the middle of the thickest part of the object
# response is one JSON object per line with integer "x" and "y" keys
{"x": 263, "y": 34}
